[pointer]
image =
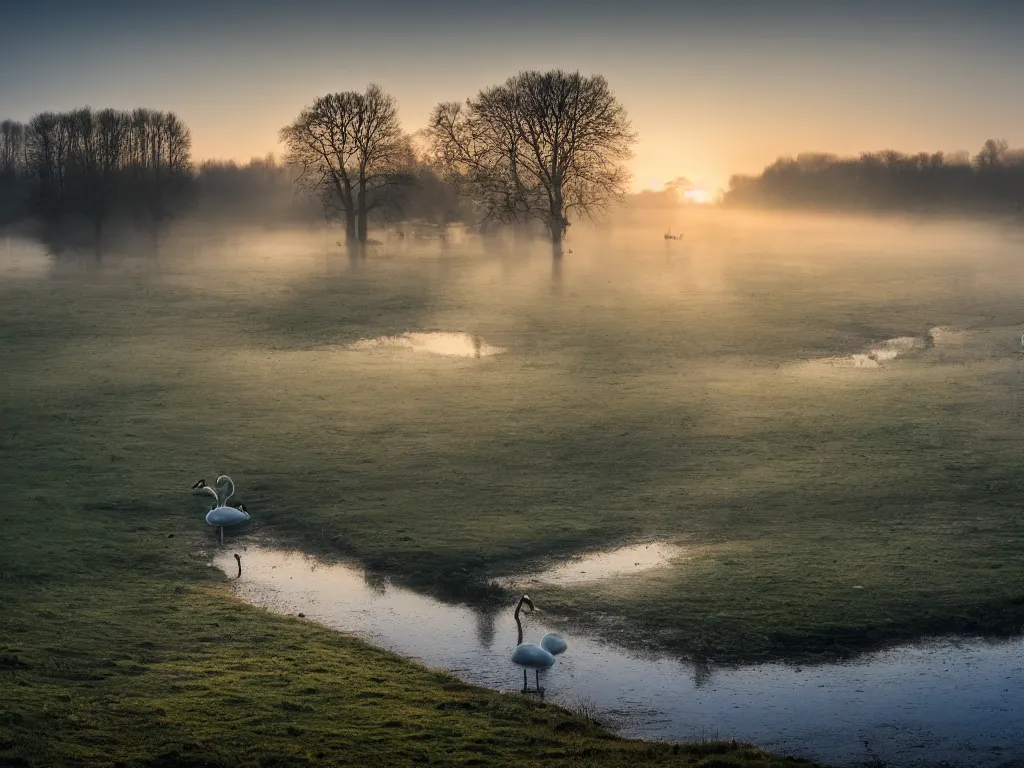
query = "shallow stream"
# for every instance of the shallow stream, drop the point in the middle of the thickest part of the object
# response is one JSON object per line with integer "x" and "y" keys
{"x": 942, "y": 701}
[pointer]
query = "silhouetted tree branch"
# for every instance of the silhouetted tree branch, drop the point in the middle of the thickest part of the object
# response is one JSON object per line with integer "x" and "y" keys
{"x": 351, "y": 153}
{"x": 89, "y": 164}
{"x": 541, "y": 146}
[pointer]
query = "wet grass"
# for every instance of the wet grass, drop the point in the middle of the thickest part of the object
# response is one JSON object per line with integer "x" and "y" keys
{"x": 655, "y": 399}
{"x": 150, "y": 672}
{"x": 119, "y": 645}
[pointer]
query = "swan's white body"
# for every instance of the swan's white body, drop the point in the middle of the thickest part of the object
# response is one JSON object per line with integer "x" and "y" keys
{"x": 224, "y": 516}
{"x": 554, "y": 644}
{"x": 532, "y": 656}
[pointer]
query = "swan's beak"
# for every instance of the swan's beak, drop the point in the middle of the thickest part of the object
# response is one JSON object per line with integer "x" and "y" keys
{"x": 199, "y": 484}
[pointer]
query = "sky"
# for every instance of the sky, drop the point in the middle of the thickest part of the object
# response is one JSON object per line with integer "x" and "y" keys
{"x": 713, "y": 88}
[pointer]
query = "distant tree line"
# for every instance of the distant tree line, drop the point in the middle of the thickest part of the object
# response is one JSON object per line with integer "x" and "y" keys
{"x": 90, "y": 165}
{"x": 262, "y": 190}
{"x": 990, "y": 181}
{"x": 536, "y": 150}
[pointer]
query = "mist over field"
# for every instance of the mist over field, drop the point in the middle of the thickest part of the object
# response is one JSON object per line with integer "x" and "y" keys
{"x": 511, "y": 386}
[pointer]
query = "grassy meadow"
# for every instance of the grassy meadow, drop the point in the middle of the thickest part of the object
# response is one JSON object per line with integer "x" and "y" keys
{"x": 656, "y": 390}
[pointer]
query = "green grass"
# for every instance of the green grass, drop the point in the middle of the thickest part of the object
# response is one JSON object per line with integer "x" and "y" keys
{"x": 119, "y": 645}
{"x": 648, "y": 395}
{"x": 154, "y": 672}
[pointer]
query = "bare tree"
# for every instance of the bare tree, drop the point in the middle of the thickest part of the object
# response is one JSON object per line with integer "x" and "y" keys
{"x": 12, "y": 149}
{"x": 351, "y": 153}
{"x": 542, "y": 146}
{"x": 98, "y": 145}
{"x": 49, "y": 139}
{"x": 111, "y": 139}
{"x": 13, "y": 171}
{"x": 991, "y": 154}
{"x": 158, "y": 162}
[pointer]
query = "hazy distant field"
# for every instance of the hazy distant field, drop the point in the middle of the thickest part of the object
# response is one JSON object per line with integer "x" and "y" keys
{"x": 657, "y": 390}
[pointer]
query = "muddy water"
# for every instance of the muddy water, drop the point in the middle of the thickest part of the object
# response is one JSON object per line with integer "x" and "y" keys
{"x": 962, "y": 703}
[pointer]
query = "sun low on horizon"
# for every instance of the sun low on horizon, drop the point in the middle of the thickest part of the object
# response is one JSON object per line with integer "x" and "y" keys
{"x": 709, "y": 93}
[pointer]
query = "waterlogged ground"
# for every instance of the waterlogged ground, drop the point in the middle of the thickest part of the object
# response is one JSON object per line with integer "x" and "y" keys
{"x": 600, "y": 566}
{"x": 705, "y": 393}
{"x": 935, "y": 702}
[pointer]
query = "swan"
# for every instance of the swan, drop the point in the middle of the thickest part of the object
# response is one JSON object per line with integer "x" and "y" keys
{"x": 221, "y": 515}
{"x": 554, "y": 644}
{"x": 530, "y": 655}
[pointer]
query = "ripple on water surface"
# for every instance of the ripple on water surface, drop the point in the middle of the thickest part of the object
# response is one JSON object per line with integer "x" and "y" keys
{"x": 962, "y": 703}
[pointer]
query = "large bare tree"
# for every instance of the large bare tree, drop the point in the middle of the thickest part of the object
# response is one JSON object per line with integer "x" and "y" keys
{"x": 542, "y": 146}
{"x": 351, "y": 153}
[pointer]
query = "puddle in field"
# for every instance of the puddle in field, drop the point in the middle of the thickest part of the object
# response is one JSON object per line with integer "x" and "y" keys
{"x": 958, "y": 702}
{"x": 601, "y": 565}
{"x": 436, "y": 342}
{"x": 874, "y": 356}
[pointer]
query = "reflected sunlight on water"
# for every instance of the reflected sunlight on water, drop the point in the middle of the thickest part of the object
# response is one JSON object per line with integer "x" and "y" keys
{"x": 602, "y": 565}
{"x": 436, "y": 342}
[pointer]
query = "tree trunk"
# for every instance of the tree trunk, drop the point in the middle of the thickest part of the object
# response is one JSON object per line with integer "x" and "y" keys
{"x": 557, "y": 225}
{"x": 361, "y": 227}
{"x": 361, "y": 209}
{"x": 350, "y": 227}
{"x": 557, "y": 222}
{"x": 556, "y": 244}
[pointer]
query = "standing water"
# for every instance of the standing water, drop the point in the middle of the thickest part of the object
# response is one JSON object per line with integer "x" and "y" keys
{"x": 959, "y": 703}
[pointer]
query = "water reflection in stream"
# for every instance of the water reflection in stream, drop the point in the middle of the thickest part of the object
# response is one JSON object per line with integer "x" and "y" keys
{"x": 941, "y": 701}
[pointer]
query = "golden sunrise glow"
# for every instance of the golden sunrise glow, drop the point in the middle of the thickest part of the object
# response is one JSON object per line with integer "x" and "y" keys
{"x": 698, "y": 195}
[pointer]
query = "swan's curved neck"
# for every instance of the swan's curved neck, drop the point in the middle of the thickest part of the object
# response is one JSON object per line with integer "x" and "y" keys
{"x": 208, "y": 491}
{"x": 519, "y": 624}
{"x": 228, "y": 485}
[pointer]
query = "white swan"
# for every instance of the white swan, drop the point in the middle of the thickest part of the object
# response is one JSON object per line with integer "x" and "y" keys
{"x": 530, "y": 655}
{"x": 221, "y": 515}
{"x": 554, "y": 644}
